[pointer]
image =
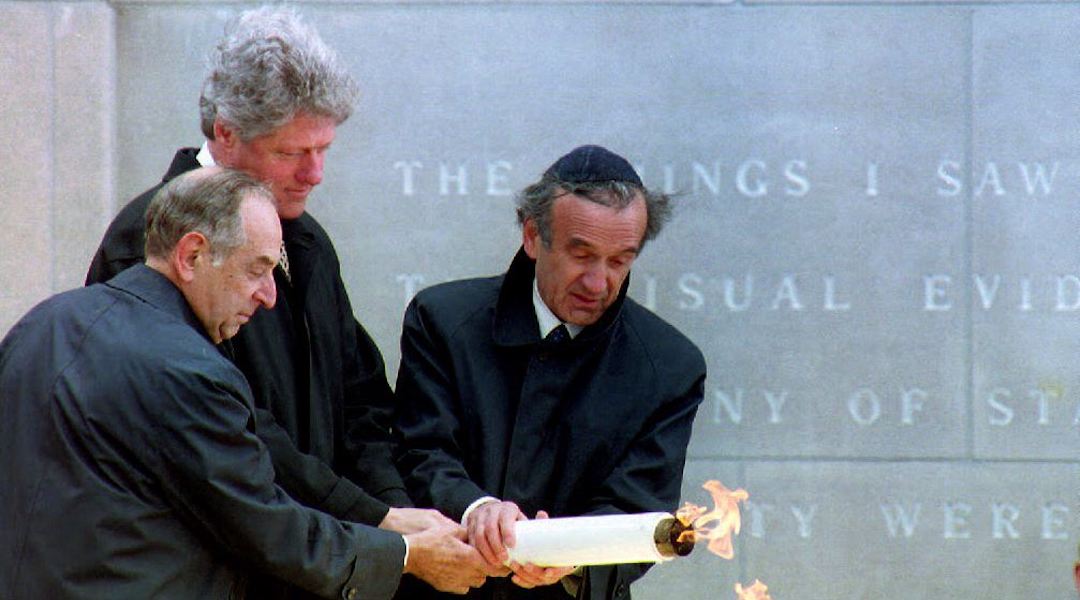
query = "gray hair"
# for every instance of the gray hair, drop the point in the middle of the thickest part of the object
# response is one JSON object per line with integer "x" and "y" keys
{"x": 207, "y": 201}
{"x": 535, "y": 202}
{"x": 269, "y": 67}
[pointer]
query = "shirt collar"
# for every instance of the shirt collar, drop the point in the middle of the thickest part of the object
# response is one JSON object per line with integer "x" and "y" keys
{"x": 547, "y": 319}
{"x": 204, "y": 157}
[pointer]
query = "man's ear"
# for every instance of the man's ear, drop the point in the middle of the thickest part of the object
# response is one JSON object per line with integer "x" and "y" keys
{"x": 225, "y": 135}
{"x": 530, "y": 238}
{"x": 191, "y": 248}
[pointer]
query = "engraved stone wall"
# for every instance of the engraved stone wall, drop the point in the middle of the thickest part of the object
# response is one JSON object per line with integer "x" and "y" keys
{"x": 876, "y": 243}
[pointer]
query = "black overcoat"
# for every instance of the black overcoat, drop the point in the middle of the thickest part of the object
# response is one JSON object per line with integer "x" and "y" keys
{"x": 324, "y": 407}
{"x": 130, "y": 467}
{"x": 597, "y": 425}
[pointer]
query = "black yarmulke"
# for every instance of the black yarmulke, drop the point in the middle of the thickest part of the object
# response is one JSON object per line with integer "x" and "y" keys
{"x": 592, "y": 164}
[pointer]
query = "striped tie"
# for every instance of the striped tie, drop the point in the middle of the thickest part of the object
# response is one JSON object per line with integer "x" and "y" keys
{"x": 283, "y": 262}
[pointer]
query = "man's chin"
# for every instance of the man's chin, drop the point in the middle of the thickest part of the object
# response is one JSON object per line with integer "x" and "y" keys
{"x": 291, "y": 208}
{"x": 584, "y": 318}
{"x": 228, "y": 331}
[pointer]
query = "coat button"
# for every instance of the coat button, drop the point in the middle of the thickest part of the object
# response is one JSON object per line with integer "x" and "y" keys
{"x": 352, "y": 594}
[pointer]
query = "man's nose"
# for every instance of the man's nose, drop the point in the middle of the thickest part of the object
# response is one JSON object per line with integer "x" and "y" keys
{"x": 595, "y": 279}
{"x": 266, "y": 293}
{"x": 311, "y": 169}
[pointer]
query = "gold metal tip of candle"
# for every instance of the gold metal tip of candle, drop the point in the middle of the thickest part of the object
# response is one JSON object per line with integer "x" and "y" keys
{"x": 673, "y": 538}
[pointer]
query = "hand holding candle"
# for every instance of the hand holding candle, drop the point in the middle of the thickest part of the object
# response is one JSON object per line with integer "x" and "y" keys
{"x": 543, "y": 551}
{"x": 529, "y": 575}
{"x": 490, "y": 529}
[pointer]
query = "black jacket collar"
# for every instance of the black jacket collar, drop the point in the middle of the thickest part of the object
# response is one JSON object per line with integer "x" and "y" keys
{"x": 156, "y": 290}
{"x": 183, "y": 161}
{"x": 515, "y": 317}
{"x": 298, "y": 231}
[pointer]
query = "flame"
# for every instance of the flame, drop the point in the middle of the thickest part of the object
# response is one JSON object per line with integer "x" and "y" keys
{"x": 716, "y": 525}
{"x": 757, "y": 591}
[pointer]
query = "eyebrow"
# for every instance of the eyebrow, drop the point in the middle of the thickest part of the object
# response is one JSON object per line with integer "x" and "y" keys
{"x": 303, "y": 147}
{"x": 576, "y": 242}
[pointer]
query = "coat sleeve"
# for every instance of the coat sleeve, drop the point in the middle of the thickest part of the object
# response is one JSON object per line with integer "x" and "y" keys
{"x": 304, "y": 476}
{"x": 311, "y": 481}
{"x": 649, "y": 478}
{"x": 369, "y": 407}
{"x": 217, "y": 475}
{"x": 431, "y": 459}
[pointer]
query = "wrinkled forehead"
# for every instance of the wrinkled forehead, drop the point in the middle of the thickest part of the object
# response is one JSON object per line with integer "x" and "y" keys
{"x": 585, "y": 222}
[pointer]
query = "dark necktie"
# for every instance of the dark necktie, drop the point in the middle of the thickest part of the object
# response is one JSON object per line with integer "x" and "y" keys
{"x": 557, "y": 336}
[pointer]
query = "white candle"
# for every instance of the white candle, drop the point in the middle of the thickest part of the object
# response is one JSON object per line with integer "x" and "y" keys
{"x": 596, "y": 540}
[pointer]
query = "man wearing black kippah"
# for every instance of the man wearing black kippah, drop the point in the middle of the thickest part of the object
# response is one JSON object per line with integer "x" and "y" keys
{"x": 546, "y": 391}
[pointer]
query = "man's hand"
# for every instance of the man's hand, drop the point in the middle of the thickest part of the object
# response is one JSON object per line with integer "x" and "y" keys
{"x": 530, "y": 575}
{"x": 440, "y": 557}
{"x": 491, "y": 531}
{"x": 414, "y": 520}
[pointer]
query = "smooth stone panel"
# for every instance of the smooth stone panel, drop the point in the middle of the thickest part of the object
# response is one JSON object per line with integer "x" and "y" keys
{"x": 84, "y": 148}
{"x": 913, "y": 530}
{"x": 27, "y": 97}
{"x": 1025, "y": 290}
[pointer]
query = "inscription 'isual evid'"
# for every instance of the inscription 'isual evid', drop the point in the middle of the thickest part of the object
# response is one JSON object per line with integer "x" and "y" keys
{"x": 747, "y": 178}
{"x": 832, "y": 293}
{"x": 1048, "y": 293}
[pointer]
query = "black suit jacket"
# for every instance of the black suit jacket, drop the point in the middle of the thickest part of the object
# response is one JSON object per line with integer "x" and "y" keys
{"x": 130, "y": 467}
{"x": 597, "y": 425}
